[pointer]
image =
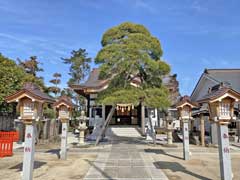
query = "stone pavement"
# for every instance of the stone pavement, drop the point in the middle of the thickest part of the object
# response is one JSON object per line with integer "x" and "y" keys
{"x": 124, "y": 161}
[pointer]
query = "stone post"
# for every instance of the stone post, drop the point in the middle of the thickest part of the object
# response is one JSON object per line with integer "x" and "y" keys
{"x": 202, "y": 126}
{"x": 214, "y": 136}
{"x": 143, "y": 119}
{"x": 103, "y": 113}
{"x": 81, "y": 136}
{"x": 63, "y": 152}
{"x": 169, "y": 131}
{"x": 224, "y": 152}
{"x": 185, "y": 140}
{"x": 29, "y": 150}
{"x": 169, "y": 137}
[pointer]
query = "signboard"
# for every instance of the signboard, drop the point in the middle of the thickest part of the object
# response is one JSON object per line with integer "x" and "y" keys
{"x": 64, "y": 112}
{"x": 28, "y": 109}
{"x": 186, "y": 112}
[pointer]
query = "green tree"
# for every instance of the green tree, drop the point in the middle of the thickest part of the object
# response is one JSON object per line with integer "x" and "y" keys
{"x": 31, "y": 66}
{"x": 129, "y": 52}
{"x": 56, "y": 81}
{"x": 12, "y": 77}
{"x": 79, "y": 65}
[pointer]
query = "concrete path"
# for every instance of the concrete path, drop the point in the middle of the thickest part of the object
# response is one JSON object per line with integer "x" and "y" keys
{"x": 124, "y": 161}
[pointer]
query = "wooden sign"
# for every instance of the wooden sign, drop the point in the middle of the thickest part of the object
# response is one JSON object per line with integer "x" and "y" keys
{"x": 64, "y": 112}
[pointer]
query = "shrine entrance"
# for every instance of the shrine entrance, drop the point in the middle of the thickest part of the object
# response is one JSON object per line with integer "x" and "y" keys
{"x": 127, "y": 116}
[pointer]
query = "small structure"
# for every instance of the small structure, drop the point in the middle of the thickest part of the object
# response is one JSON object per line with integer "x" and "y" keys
{"x": 170, "y": 127}
{"x": 30, "y": 104}
{"x": 64, "y": 108}
{"x": 221, "y": 102}
{"x": 82, "y": 127}
{"x": 185, "y": 114}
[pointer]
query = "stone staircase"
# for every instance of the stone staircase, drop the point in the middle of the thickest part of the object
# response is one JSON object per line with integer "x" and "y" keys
{"x": 114, "y": 132}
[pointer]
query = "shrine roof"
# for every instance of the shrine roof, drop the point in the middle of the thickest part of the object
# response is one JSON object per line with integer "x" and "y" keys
{"x": 93, "y": 83}
{"x": 218, "y": 91}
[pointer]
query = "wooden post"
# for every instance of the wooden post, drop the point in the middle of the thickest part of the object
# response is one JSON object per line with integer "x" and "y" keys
{"x": 202, "y": 126}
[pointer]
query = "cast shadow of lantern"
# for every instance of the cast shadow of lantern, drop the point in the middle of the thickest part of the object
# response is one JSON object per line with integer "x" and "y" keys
{"x": 177, "y": 167}
{"x": 159, "y": 151}
{"x": 37, "y": 164}
{"x": 54, "y": 151}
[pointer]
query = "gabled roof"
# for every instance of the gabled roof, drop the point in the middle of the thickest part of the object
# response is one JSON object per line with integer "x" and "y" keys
{"x": 216, "y": 76}
{"x": 220, "y": 92}
{"x": 186, "y": 101}
{"x": 64, "y": 100}
{"x": 93, "y": 84}
{"x": 32, "y": 91}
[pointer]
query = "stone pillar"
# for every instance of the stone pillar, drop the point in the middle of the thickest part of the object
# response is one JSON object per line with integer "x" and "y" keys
{"x": 214, "y": 134}
{"x": 143, "y": 119}
{"x": 81, "y": 136}
{"x": 202, "y": 126}
{"x": 185, "y": 140}
{"x": 169, "y": 137}
{"x": 103, "y": 113}
{"x": 224, "y": 152}
{"x": 169, "y": 133}
{"x": 63, "y": 152}
{"x": 29, "y": 150}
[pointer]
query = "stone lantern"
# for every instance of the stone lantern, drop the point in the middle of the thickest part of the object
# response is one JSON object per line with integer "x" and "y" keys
{"x": 184, "y": 108}
{"x": 221, "y": 102}
{"x": 64, "y": 108}
{"x": 30, "y": 105}
{"x": 82, "y": 127}
{"x": 169, "y": 127}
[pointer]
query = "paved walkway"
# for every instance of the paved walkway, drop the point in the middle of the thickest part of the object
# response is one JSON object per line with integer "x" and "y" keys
{"x": 124, "y": 161}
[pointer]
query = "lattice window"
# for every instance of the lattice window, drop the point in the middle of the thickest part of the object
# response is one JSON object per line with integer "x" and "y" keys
{"x": 225, "y": 110}
{"x": 28, "y": 109}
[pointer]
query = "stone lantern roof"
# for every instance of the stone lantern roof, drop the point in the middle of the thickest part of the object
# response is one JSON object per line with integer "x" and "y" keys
{"x": 31, "y": 91}
{"x": 185, "y": 100}
{"x": 64, "y": 100}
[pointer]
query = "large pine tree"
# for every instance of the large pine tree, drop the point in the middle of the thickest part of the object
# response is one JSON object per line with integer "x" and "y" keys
{"x": 129, "y": 52}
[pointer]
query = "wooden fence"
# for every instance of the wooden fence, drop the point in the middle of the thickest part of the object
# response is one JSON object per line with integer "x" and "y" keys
{"x": 7, "y": 121}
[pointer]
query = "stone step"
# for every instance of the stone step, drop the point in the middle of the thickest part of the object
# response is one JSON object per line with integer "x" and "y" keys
{"x": 123, "y": 131}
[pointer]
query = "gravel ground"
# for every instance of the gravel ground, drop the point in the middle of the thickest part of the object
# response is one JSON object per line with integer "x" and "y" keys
{"x": 47, "y": 166}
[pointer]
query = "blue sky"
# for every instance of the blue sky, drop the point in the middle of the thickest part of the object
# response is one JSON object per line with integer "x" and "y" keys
{"x": 195, "y": 34}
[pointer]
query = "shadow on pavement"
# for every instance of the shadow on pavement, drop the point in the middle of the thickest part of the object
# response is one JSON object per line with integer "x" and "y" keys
{"x": 54, "y": 151}
{"x": 175, "y": 167}
{"x": 106, "y": 175}
{"x": 160, "y": 151}
{"x": 37, "y": 164}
